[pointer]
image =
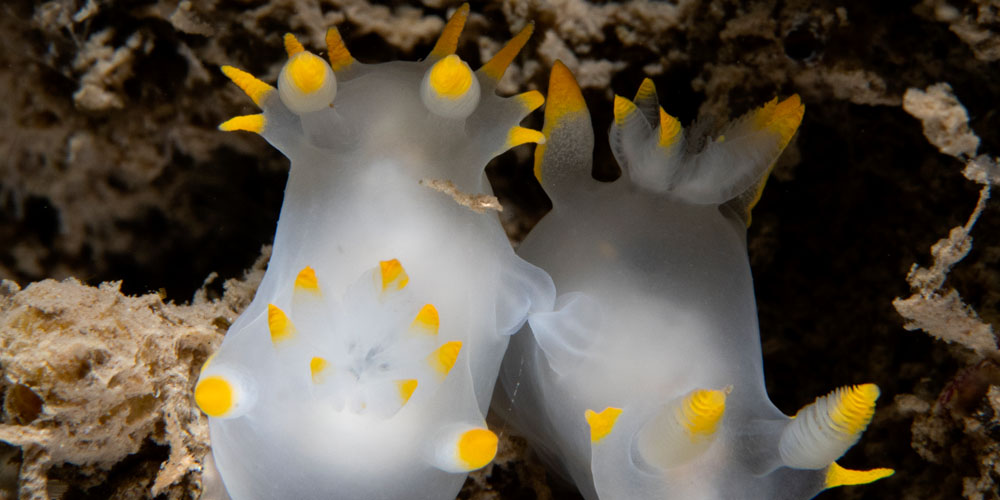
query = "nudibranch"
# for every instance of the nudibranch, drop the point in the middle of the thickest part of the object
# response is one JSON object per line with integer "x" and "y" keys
{"x": 365, "y": 364}
{"x": 645, "y": 381}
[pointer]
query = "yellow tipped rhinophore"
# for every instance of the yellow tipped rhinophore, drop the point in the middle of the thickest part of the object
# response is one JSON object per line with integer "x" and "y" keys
{"x": 601, "y": 424}
{"x": 223, "y": 394}
{"x": 498, "y": 64}
{"x": 565, "y": 102}
{"x": 839, "y": 476}
{"x": 280, "y": 326}
{"x": 306, "y": 82}
{"x": 782, "y": 118}
{"x": 465, "y": 448}
{"x": 443, "y": 359}
{"x": 255, "y": 89}
{"x": 340, "y": 58}
{"x": 393, "y": 276}
{"x": 823, "y": 431}
{"x": 427, "y": 320}
{"x": 306, "y": 280}
{"x": 249, "y": 123}
{"x": 683, "y": 429}
{"x": 448, "y": 41}
{"x": 449, "y": 88}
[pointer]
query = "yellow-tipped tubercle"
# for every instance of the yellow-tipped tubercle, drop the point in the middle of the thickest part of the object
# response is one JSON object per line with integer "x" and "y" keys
{"x": 427, "y": 320}
{"x": 394, "y": 277}
{"x": 670, "y": 130}
{"x": 306, "y": 280}
{"x": 214, "y": 395}
{"x": 477, "y": 447}
{"x": 406, "y": 389}
{"x": 443, "y": 359}
{"x": 448, "y": 41}
{"x": 317, "y": 367}
{"x": 623, "y": 109}
{"x": 601, "y": 424}
{"x": 647, "y": 89}
{"x": 839, "y": 476}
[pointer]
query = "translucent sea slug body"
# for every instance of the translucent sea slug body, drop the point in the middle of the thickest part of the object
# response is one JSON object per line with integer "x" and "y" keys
{"x": 645, "y": 381}
{"x": 366, "y": 362}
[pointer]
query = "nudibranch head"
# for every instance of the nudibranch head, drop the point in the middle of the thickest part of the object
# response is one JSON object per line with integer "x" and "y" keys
{"x": 306, "y": 82}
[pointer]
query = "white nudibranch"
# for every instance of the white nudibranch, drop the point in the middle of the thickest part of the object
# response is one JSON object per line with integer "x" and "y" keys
{"x": 646, "y": 381}
{"x": 365, "y": 364}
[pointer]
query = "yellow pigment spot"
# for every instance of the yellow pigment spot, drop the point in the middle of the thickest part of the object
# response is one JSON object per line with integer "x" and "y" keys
{"x": 336, "y": 51}
{"x": 520, "y": 135}
{"x": 498, "y": 64}
{"x": 531, "y": 100}
{"x": 623, "y": 108}
{"x": 444, "y": 358}
{"x": 601, "y": 423}
{"x": 852, "y": 408}
{"x": 702, "y": 412}
{"x": 292, "y": 45}
{"x": 427, "y": 320}
{"x": 307, "y": 72}
{"x": 448, "y": 41}
{"x": 393, "y": 275}
{"x": 280, "y": 326}
{"x": 477, "y": 447}
{"x": 406, "y": 388}
{"x": 647, "y": 90}
{"x": 248, "y": 123}
{"x": 450, "y": 77}
{"x": 839, "y": 476}
{"x": 782, "y": 118}
{"x": 670, "y": 130}
{"x": 251, "y": 86}
{"x": 317, "y": 366}
{"x": 565, "y": 101}
{"x": 214, "y": 396}
{"x": 306, "y": 280}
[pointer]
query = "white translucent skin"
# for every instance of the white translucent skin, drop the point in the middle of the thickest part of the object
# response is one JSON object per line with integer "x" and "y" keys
{"x": 663, "y": 286}
{"x": 353, "y": 199}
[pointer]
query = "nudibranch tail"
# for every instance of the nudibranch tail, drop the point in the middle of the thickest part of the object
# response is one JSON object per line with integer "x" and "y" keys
{"x": 564, "y": 161}
{"x": 824, "y": 430}
{"x": 683, "y": 429}
{"x": 657, "y": 154}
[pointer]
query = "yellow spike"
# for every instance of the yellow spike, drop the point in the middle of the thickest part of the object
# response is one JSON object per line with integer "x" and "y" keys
{"x": 839, "y": 476}
{"x": 292, "y": 45}
{"x": 427, "y": 320}
{"x": 519, "y": 135}
{"x": 406, "y": 388}
{"x": 497, "y": 65}
{"x": 853, "y": 407}
{"x": 278, "y": 323}
{"x": 531, "y": 100}
{"x": 450, "y": 77}
{"x": 444, "y": 358}
{"x": 601, "y": 423}
{"x": 702, "y": 412}
{"x": 393, "y": 275}
{"x": 248, "y": 123}
{"x": 670, "y": 130}
{"x": 214, "y": 395}
{"x": 336, "y": 51}
{"x": 448, "y": 41}
{"x": 782, "y": 118}
{"x": 564, "y": 99}
{"x": 251, "y": 86}
{"x": 623, "y": 108}
{"x": 306, "y": 280}
{"x": 317, "y": 366}
{"x": 477, "y": 447}
{"x": 646, "y": 90}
